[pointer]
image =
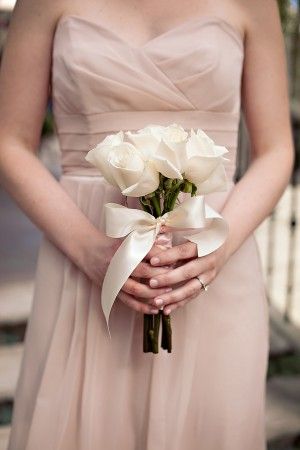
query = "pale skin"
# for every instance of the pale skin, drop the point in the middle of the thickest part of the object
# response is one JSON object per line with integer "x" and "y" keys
{"x": 24, "y": 86}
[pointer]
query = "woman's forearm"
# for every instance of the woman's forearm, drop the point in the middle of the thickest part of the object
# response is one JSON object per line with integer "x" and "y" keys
{"x": 46, "y": 203}
{"x": 254, "y": 196}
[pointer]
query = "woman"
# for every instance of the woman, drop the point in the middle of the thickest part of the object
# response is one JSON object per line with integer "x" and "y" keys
{"x": 123, "y": 65}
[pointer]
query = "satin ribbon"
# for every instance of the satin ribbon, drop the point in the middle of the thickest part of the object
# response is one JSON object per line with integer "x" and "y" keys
{"x": 141, "y": 229}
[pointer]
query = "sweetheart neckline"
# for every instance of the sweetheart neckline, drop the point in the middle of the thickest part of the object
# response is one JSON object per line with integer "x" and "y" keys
{"x": 201, "y": 20}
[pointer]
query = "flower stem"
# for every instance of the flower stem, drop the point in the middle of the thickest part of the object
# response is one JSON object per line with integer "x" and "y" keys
{"x": 155, "y": 345}
{"x": 168, "y": 191}
{"x": 145, "y": 206}
{"x": 163, "y": 333}
{"x": 166, "y": 341}
{"x": 173, "y": 199}
{"x": 146, "y": 340}
{"x": 156, "y": 205}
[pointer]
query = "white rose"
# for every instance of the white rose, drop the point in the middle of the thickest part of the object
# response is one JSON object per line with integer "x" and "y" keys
{"x": 175, "y": 153}
{"x": 164, "y": 146}
{"x": 124, "y": 166}
{"x": 204, "y": 163}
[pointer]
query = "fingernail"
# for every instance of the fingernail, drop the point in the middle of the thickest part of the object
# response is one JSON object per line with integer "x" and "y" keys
{"x": 158, "y": 301}
{"x": 167, "y": 311}
{"x": 153, "y": 282}
{"x": 168, "y": 289}
{"x": 154, "y": 260}
{"x": 154, "y": 311}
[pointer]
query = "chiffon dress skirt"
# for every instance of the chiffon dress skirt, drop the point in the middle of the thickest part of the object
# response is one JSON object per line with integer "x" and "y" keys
{"x": 79, "y": 390}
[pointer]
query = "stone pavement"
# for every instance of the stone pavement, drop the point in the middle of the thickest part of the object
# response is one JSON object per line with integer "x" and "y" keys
{"x": 19, "y": 241}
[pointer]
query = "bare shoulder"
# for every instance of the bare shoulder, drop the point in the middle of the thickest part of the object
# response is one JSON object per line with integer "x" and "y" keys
{"x": 26, "y": 68}
{"x": 36, "y": 15}
{"x": 265, "y": 95}
{"x": 261, "y": 18}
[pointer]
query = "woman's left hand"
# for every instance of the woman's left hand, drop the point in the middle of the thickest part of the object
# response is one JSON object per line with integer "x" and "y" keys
{"x": 187, "y": 267}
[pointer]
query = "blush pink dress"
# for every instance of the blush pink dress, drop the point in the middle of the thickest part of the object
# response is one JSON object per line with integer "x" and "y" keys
{"x": 79, "y": 390}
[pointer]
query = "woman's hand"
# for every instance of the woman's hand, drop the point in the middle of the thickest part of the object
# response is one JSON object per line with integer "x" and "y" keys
{"x": 136, "y": 292}
{"x": 187, "y": 267}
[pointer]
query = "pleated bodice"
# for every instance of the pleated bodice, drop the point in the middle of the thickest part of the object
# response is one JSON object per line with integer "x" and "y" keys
{"x": 190, "y": 74}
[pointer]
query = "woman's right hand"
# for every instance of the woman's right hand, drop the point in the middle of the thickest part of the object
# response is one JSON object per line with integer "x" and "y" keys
{"x": 136, "y": 293}
{"x": 139, "y": 295}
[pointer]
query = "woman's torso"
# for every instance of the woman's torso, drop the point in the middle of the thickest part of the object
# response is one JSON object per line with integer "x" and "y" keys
{"x": 104, "y": 80}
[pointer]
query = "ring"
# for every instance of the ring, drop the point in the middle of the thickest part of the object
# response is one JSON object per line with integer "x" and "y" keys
{"x": 205, "y": 286}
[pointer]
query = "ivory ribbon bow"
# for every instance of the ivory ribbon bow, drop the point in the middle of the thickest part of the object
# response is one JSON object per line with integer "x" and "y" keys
{"x": 141, "y": 229}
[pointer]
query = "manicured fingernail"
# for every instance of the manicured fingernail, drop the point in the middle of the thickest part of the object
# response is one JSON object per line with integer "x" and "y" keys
{"x": 167, "y": 311}
{"x": 158, "y": 301}
{"x": 153, "y": 282}
{"x": 154, "y": 311}
{"x": 169, "y": 289}
{"x": 154, "y": 260}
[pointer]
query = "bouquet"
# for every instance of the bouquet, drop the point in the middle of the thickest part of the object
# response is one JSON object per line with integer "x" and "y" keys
{"x": 155, "y": 164}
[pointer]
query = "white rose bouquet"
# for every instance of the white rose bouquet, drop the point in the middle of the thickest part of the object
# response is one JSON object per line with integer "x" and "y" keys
{"x": 155, "y": 164}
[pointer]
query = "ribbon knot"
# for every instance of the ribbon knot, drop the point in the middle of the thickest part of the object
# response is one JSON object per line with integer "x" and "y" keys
{"x": 160, "y": 221}
{"x": 141, "y": 229}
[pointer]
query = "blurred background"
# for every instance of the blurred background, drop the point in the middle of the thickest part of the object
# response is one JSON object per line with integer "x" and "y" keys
{"x": 279, "y": 243}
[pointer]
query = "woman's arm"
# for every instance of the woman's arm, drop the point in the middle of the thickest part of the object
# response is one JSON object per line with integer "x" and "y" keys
{"x": 265, "y": 103}
{"x": 24, "y": 90}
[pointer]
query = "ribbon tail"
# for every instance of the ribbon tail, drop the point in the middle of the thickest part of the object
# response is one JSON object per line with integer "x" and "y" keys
{"x": 212, "y": 236}
{"x": 130, "y": 253}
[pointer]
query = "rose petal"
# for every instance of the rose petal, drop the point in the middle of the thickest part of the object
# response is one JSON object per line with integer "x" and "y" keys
{"x": 199, "y": 168}
{"x": 98, "y": 158}
{"x": 148, "y": 182}
{"x": 217, "y": 182}
{"x": 126, "y": 165}
{"x": 166, "y": 168}
{"x": 113, "y": 139}
{"x": 145, "y": 143}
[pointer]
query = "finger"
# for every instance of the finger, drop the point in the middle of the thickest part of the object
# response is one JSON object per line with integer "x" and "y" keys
{"x": 155, "y": 250}
{"x": 189, "y": 289}
{"x": 142, "y": 290}
{"x": 182, "y": 251}
{"x": 172, "y": 306}
{"x": 145, "y": 270}
{"x": 136, "y": 305}
{"x": 206, "y": 278}
{"x": 182, "y": 273}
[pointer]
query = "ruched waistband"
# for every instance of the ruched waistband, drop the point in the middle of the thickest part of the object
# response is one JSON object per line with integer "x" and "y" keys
{"x": 112, "y": 121}
{"x": 79, "y": 133}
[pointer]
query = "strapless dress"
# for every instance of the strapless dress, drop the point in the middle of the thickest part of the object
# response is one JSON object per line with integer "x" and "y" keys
{"x": 79, "y": 390}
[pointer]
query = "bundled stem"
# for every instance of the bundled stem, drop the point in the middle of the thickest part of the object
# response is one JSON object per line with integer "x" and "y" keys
{"x": 158, "y": 203}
